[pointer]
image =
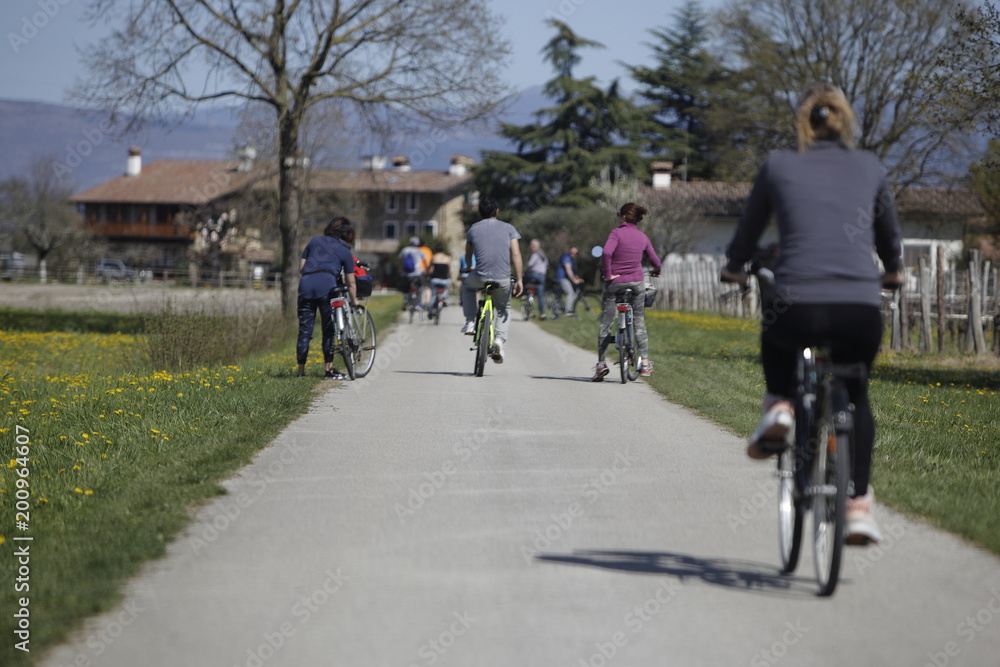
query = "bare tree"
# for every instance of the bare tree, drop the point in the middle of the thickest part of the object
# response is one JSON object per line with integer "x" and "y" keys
{"x": 882, "y": 53}
{"x": 37, "y": 209}
{"x": 434, "y": 61}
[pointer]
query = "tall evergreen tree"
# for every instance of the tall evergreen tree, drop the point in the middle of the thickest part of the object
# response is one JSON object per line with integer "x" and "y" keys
{"x": 681, "y": 88}
{"x": 586, "y": 131}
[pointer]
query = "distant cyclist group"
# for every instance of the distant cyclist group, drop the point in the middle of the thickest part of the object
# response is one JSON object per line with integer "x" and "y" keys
{"x": 833, "y": 207}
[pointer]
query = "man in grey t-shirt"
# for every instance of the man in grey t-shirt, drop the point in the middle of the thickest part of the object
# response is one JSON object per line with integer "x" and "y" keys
{"x": 494, "y": 244}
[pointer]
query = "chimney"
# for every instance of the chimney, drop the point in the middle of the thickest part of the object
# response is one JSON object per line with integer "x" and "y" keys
{"x": 401, "y": 163}
{"x": 460, "y": 165}
{"x": 246, "y": 156}
{"x": 133, "y": 167}
{"x": 375, "y": 162}
{"x": 661, "y": 174}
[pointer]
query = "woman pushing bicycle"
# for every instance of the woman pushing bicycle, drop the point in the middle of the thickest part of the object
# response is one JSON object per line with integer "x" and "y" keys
{"x": 621, "y": 263}
{"x": 833, "y": 205}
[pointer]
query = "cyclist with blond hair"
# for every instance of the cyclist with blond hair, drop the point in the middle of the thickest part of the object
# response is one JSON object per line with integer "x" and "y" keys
{"x": 833, "y": 206}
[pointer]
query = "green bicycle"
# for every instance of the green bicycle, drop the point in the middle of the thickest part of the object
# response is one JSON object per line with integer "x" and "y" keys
{"x": 485, "y": 328}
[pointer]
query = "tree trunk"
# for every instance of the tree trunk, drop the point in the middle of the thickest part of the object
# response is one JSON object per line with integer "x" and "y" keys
{"x": 288, "y": 210}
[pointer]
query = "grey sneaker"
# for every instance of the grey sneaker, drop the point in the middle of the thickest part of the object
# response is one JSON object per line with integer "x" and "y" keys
{"x": 497, "y": 352}
{"x": 600, "y": 370}
{"x": 469, "y": 329}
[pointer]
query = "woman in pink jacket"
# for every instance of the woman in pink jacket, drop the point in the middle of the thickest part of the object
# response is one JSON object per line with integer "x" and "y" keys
{"x": 621, "y": 263}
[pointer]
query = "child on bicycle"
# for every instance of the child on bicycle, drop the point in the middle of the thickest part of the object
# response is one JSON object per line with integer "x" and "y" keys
{"x": 621, "y": 263}
{"x": 833, "y": 205}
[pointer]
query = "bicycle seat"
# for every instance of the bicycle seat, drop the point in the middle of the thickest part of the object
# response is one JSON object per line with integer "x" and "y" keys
{"x": 626, "y": 295}
{"x": 491, "y": 285}
{"x": 339, "y": 290}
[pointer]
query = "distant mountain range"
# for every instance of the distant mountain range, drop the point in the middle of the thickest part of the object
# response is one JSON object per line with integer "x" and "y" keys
{"x": 83, "y": 154}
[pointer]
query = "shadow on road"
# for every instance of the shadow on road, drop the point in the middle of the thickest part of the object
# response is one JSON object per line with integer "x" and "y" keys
{"x": 565, "y": 378}
{"x": 453, "y": 373}
{"x": 726, "y": 572}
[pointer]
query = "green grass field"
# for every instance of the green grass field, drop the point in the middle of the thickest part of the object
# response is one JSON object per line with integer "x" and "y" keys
{"x": 937, "y": 451}
{"x": 119, "y": 451}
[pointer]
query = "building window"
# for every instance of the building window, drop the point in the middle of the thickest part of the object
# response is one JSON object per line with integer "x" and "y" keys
{"x": 431, "y": 227}
{"x": 391, "y": 203}
{"x": 390, "y": 230}
{"x": 412, "y": 228}
{"x": 413, "y": 202}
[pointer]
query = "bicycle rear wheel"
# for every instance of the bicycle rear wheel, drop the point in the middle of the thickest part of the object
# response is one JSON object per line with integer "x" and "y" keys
{"x": 632, "y": 353}
{"x": 483, "y": 342}
{"x": 346, "y": 345}
{"x": 790, "y": 512}
{"x": 622, "y": 341}
{"x": 526, "y": 308}
{"x": 829, "y": 479}
{"x": 364, "y": 343}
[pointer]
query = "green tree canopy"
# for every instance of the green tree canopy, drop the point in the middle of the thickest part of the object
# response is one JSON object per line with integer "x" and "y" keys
{"x": 682, "y": 86}
{"x": 586, "y": 130}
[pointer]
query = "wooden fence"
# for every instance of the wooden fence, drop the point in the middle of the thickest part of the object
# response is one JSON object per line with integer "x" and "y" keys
{"x": 934, "y": 310}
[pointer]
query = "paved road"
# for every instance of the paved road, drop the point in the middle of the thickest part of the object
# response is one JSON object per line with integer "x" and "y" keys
{"x": 422, "y": 516}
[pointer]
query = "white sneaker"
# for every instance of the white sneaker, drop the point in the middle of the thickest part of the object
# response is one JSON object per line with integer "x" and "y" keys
{"x": 469, "y": 329}
{"x": 861, "y": 526}
{"x": 775, "y": 425}
{"x": 497, "y": 352}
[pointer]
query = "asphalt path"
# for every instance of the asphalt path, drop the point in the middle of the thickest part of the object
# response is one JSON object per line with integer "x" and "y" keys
{"x": 423, "y": 516}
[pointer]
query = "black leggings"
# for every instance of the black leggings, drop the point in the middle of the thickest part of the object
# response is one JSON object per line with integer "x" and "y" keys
{"x": 855, "y": 333}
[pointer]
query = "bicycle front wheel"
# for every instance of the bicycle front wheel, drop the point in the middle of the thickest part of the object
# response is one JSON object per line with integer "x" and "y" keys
{"x": 632, "y": 353}
{"x": 790, "y": 512}
{"x": 830, "y": 475}
{"x": 364, "y": 343}
{"x": 483, "y": 342}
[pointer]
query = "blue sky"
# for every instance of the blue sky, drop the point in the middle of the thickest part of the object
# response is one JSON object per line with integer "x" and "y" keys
{"x": 39, "y": 63}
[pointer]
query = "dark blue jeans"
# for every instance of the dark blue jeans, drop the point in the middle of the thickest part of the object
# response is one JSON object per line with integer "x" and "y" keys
{"x": 307, "y": 321}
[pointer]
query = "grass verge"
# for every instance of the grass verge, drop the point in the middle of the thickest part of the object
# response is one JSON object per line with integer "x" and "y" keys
{"x": 938, "y": 418}
{"x": 120, "y": 453}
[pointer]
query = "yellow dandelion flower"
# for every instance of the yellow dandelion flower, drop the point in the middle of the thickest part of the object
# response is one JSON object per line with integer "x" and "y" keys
{"x": 78, "y": 490}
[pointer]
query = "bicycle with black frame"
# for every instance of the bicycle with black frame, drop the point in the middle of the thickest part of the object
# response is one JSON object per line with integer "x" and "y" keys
{"x": 814, "y": 458}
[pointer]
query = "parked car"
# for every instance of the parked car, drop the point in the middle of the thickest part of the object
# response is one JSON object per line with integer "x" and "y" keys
{"x": 113, "y": 269}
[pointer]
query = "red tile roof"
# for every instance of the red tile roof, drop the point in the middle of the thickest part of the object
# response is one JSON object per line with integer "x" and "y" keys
{"x": 365, "y": 180}
{"x": 189, "y": 182}
{"x": 713, "y": 199}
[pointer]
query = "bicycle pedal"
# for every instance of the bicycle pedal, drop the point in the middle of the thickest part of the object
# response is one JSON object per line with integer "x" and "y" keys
{"x": 776, "y": 446}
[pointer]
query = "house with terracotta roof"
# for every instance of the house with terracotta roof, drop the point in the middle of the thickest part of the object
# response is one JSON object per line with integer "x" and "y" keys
{"x": 161, "y": 211}
{"x": 391, "y": 205}
{"x": 177, "y": 207}
{"x": 929, "y": 217}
